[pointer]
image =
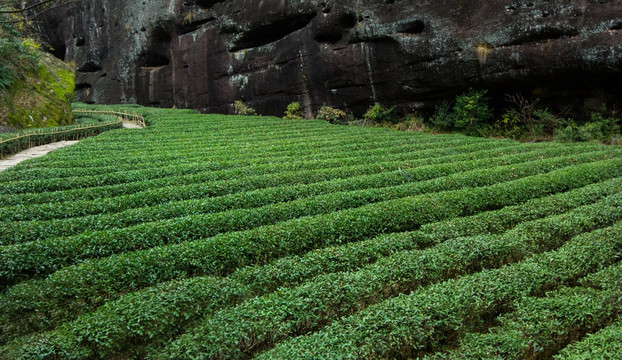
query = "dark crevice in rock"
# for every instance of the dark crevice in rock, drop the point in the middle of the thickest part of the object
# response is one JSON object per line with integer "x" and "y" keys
{"x": 194, "y": 26}
{"x": 328, "y": 36}
{"x": 617, "y": 25}
{"x": 206, "y": 4}
{"x": 541, "y": 35}
{"x": 348, "y": 20}
{"x": 266, "y": 34}
{"x": 154, "y": 60}
{"x": 333, "y": 31}
{"x": 89, "y": 67}
{"x": 59, "y": 51}
{"x": 156, "y": 54}
{"x": 377, "y": 38}
{"x": 83, "y": 86}
{"x": 326, "y": 9}
{"x": 80, "y": 42}
{"x": 413, "y": 27}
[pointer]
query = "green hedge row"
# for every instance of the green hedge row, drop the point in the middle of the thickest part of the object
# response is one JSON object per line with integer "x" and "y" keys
{"x": 196, "y": 158}
{"x": 382, "y": 186}
{"x": 158, "y": 312}
{"x": 108, "y": 199}
{"x": 540, "y": 327}
{"x": 94, "y": 281}
{"x": 154, "y": 148}
{"x": 604, "y": 344}
{"x": 611, "y": 278}
{"x": 262, "y": 321}
{"x": 116, "y": 190}
{"x": 199, "y": 173}
{"x": 22, "y": 261}
{"x": 408, "y": 324}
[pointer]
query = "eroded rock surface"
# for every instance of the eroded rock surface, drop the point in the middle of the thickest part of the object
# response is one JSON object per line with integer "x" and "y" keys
{"x": 347, "y": 54}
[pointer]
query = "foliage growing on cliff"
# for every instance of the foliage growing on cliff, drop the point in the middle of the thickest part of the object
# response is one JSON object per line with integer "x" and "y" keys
{"x": 332, "y": 115}
{"x": 472, "y": 111}
{"x": 379, "y": 114}
{"x": 240, "y": 108}
{"x": 35, "y": 88}
{"x": 294, "y": 111}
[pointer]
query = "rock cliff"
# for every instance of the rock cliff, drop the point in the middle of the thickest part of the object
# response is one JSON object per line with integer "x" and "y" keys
{"x": 204, "y": 54}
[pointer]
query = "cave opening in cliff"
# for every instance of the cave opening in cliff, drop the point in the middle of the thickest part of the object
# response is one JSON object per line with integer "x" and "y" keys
{"x": 542, "y": 35}
{"x": 59, "y": 51}
{"x": 412, "y": 27}
{"x": 89, "y": 67}
{"x": 272, "y": 32}
{"x": 156, "y": 53}
{"x": 206, "y": 4}
{"x": 155, "y": 60}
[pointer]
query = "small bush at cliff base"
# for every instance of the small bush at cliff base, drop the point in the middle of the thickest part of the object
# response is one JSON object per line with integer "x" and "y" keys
{"x": 240, "y": 108}
{"x": 508, "y": 126}
{"x": 472, "y": 112}
{"x": 294, "y": 111}
{"x": 443, "y": 117}
{"x": 601, "y": 128}
{"x": 332, "y": 115}
{"x": 378, "y": 114}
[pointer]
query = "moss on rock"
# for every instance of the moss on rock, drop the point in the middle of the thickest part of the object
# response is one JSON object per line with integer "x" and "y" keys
{"x": 41, "y": 95}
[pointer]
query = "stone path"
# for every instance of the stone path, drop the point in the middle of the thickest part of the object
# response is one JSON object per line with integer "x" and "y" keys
{"x": 129, "y": 125}
{"x": 31, "y": 153}
{"x": 38, "y": 151}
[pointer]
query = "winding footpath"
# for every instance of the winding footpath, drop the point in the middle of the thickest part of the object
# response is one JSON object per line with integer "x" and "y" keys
{"x": 31, "y": 153}
{"x": 37, "y": 151}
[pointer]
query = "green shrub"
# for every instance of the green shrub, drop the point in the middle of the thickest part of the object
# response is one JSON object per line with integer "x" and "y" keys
{"x": 603, "y": 130}
{"x": 443, "y": 117}
{"x": 471, "y": 112}
{"x": 240, "y": 108}
{"x": 545, "y": 122}
{"x": 7, "y": 77}
{"x": 243, "y": 242}
{"x": 508, "y": 126}
{"x": 275, "y": 316}
{"x": 332, "y": 115}
{"x": 404, "y": 325}
{"x": 603, "y": 344}
{"x": 294, "y": 111}
{"x": 413, "y": 122}
{"x": 567, "y": 134}
{"x": 602, "y": 127}
{"x": 378, "y": 114}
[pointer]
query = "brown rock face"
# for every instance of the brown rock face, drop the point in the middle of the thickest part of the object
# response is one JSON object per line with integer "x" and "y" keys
{"x": 204, "y": 54}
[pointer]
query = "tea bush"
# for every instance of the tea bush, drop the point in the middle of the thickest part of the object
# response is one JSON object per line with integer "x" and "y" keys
{"x": 212, "y": 236}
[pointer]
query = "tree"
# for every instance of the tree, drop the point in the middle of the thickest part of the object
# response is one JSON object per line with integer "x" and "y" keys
{"x": 19, "y": 11}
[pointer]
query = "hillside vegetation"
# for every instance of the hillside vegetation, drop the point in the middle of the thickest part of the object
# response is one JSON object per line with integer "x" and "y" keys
{"x": 235, "y": 237}
{"x": 36, "y": 89}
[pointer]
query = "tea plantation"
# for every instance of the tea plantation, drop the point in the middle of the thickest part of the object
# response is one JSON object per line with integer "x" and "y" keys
{"x": 224, "y": 237}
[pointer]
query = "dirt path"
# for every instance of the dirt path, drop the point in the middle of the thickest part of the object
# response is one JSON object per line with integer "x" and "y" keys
{"x": 31, "y": 153}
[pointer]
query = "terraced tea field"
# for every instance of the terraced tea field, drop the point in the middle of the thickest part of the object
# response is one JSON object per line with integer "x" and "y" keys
{"x": 215, "y": 237}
